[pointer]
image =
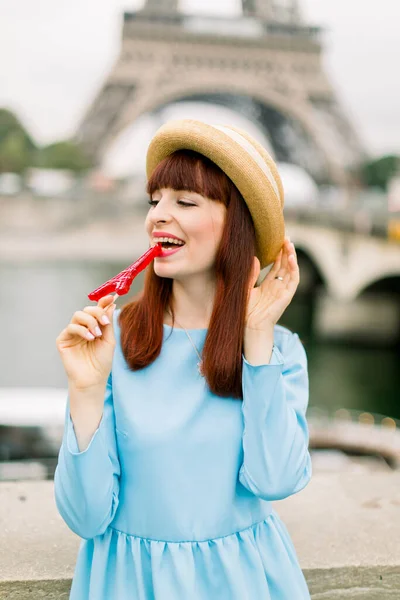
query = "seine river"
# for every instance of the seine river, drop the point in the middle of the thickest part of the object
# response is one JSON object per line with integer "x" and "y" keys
{"x": 38, "y": 299}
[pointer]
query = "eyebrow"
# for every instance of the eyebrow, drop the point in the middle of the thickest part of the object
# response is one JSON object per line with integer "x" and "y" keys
{"x": 198, "y": 196}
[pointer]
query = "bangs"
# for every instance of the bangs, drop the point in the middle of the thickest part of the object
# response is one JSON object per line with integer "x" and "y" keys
{"x": 190, "y": 171}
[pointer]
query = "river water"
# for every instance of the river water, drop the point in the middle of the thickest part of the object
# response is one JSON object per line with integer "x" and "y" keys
{"x": 37, "y": 301}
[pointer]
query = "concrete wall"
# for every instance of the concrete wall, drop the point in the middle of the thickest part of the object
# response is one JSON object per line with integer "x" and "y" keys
{"x": 345, "y": 527}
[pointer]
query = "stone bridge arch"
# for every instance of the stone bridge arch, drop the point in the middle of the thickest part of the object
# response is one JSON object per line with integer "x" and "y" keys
{"x": 386, "y": 284}
{"x": 360, "y": 275}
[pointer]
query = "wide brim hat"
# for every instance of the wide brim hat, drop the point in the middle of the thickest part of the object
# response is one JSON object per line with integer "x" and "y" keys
{"x": 244, "y": 160}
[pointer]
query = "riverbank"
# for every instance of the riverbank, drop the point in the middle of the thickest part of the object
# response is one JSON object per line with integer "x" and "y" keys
{"x": 99, "y": 242}
{"x": 345, "y": 527}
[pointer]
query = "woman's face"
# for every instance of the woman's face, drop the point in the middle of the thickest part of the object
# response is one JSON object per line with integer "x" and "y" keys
{"x": 194, "y": 219}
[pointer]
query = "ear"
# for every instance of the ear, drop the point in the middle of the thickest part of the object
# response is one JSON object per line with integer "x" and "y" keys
{"x": 255, "y": 272}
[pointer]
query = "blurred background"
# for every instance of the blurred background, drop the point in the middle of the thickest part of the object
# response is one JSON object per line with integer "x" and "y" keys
{"x": 85, "y": 85}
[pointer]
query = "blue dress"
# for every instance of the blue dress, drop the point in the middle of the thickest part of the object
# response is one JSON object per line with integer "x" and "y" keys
{"x": 172, "y": 497}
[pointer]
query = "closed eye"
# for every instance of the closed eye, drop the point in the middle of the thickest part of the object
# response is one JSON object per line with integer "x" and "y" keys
{"x": 154, "y": 202}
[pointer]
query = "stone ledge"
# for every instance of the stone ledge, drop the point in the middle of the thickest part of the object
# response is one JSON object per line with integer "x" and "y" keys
{"x": 377, "y": 583}
{"x": 345, "y": 527}
{"x": 51, "y": 589}
{"x": 367, "y": 583}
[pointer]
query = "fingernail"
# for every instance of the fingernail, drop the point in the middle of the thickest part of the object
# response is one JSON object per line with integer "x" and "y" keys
{"x": 89, "y": 336}
{"x": 98, "y": 331}
{"x": 105, "y": 320}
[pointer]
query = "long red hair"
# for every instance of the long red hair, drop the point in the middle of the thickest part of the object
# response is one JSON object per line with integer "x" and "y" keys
{"x": 141, "y": 320}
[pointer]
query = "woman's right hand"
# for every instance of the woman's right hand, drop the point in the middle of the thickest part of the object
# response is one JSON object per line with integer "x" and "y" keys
{"x": 86, "y": 356}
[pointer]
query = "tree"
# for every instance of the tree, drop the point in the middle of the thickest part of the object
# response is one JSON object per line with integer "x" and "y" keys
{"x": 63, "y": 155}
{"x": 378, "y": 172}
{"x": 15, "y": 157}
{"x": 17, "y": 149}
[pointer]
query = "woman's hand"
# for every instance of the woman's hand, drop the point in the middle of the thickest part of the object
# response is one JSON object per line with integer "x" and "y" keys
{"x": 86, "y": 345}
{"x": 268, "y": 301}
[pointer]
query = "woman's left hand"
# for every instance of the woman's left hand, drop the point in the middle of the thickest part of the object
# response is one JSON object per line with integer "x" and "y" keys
{"x": 267, "y": 302}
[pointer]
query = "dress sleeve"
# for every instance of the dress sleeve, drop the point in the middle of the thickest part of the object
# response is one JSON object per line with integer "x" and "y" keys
{"x": 86, "y": 484}
{"x": 276, "y": 460}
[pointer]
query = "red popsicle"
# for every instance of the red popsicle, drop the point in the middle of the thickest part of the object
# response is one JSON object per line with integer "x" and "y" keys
{"x": 122, "y": 282}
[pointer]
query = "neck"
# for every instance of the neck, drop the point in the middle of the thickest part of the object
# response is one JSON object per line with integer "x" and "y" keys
{"x": 192, "y": 303}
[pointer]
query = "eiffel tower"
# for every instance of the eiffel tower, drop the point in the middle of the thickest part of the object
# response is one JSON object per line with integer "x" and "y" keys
{"x": 264, "y": 64}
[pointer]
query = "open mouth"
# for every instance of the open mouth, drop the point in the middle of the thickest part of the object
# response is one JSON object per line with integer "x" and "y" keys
{"x": 170, "y": 245}
{"x": 169, "y": 248}
{"x": 167, "y": 244}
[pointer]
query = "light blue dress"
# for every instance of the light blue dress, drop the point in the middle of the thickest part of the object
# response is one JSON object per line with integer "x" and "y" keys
{"x": 173, "y": 494}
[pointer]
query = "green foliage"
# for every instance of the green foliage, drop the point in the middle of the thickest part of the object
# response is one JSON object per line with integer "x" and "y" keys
{"x": 378, "y": 172}
{"x": 17, "y": 148}
{"x": 18, "y": 151}
{"x": 63, "y": 155}
{"x": 15, "y": 157}
{"x": 10, "y": 124}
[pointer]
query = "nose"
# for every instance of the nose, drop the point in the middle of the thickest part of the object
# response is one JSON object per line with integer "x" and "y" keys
{"x": 160, "y": 213}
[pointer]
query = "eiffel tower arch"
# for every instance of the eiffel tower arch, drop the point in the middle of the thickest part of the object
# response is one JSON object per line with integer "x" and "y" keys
{"x": 265, "y": 64}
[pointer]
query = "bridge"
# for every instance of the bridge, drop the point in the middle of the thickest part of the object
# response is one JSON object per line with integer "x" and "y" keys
{"x": 352, "y": 278}
{"x": 350, "y": 270}
{"x": 345, "y": 263}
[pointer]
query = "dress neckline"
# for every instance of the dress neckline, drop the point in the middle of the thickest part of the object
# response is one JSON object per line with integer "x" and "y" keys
{"x": 183, "y": 331}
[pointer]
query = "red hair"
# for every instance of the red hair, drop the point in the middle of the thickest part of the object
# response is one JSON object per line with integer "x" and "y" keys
{"x": 141, "y": 320}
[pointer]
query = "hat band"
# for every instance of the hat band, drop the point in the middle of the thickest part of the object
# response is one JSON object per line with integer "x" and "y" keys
{"x": 249, "y": 148}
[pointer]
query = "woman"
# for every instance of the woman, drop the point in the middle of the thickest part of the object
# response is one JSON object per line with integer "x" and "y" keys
{"x": 186, "y": 414}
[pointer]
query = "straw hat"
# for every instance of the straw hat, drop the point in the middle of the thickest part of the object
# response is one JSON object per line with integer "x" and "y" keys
{"x": 244, "y": 161}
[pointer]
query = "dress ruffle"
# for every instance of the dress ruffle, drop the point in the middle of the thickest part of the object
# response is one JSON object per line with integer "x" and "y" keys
{"x": 257, "y": 563}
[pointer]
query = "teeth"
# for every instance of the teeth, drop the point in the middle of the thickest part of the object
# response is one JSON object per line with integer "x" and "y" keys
{"x": 170, "y": 240}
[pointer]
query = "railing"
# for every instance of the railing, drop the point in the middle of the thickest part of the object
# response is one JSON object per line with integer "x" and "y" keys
{"x": 29, "y": 450}
{"x": 76, "y": 209}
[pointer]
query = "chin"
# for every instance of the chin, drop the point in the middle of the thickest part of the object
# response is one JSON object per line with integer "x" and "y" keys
{"x": 165, "y": 270}
{"x": 170, "y": 271}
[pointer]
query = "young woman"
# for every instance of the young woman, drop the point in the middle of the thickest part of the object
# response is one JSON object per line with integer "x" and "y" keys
{"x": 186, "y": 414}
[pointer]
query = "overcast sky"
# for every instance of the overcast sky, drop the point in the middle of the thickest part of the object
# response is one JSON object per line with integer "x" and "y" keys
{"x": 55, "y": 54}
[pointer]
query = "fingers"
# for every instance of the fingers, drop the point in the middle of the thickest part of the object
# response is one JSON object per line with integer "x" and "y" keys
{"x": 276, "y": 266}
{"x": 79, "y": 330}
{"x": 81, "y": 317}
{"x": 255, "y": 273}
{"x": 288, "y": 248}
{"x": 105, "y": 301}
{"x": 291, "y": 256}
{"x": 93, "y": 321}
{"x": 285, "y": 270}
{"x": 98, "y": 313}
{"x": 294, "y": 273}
{"x": 285, "y": 265}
